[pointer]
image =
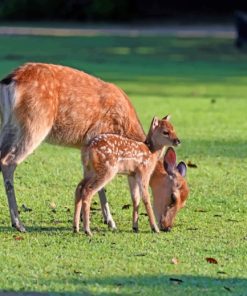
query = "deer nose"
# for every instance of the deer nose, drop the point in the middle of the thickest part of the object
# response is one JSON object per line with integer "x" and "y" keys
{"x": 176, "y": 142}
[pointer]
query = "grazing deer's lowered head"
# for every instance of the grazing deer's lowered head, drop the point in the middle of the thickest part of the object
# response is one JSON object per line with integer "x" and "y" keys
{"x": 171, "y": 189}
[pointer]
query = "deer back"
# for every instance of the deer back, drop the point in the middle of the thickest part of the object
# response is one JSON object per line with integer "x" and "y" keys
{"x": 123, "y": 154}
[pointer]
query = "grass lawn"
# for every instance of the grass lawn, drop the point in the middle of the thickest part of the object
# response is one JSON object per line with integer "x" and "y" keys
{"x": 203, "y": 84}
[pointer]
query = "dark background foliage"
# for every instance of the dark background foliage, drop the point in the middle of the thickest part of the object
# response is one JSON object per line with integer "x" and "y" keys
{"x": 115, "y": 10}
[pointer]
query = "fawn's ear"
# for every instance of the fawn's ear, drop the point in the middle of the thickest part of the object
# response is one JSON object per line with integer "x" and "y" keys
{"x": 182, "y": 168}
{"x": 167, "y": 117}
{"x": 170, "y": 160}
{"x": 155, "y": 123}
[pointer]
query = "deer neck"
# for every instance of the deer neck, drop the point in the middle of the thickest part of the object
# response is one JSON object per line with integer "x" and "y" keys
{"x": 153, "y": 148}
{"x": 156, "y": 151}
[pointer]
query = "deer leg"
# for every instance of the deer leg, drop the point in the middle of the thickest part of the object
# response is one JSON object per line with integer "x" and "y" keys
{"x": 84, "y": 193}
{"x": 146, "y": 200}
{"x": 8, "y": 177}
{"x": 135, "y": 195}
{"x": 78, "y": 206}
{"x": 10, "y": 157}
{"x": 106, "y": 210}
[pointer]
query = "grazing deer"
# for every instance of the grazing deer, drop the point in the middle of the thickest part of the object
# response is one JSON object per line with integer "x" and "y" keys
{"x": 108, "y": 154}
{"x": 62, "y": 106}
{"x": 174, "y": 186}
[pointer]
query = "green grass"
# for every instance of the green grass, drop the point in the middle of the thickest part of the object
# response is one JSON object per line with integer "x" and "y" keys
{"x": 203, "y": 84}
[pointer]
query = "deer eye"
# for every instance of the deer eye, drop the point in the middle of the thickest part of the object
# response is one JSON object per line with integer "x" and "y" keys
{"x": 173, "y": 200}
{"x": 165, "y": 133}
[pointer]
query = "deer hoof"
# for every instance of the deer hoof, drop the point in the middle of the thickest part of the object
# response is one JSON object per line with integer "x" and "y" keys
{"x": 75, "y": 229}
{"x": 135, "y": 229}
{"x": 88, "y": 233}
{"x": 155, "y": 229}
{"x": 18, "y": 226}
{"x": 111, "y": 224}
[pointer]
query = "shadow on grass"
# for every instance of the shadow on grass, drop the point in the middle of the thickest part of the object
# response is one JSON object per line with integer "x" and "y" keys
{"x": 144, "y": 285}
{"x": 96, "y": 230}
{"x": 36, "y": 229}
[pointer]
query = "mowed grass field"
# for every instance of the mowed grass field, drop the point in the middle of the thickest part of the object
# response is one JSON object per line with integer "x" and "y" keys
{"x": 202, "y": 83}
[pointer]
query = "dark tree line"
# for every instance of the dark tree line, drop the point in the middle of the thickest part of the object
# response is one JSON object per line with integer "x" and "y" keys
{"x": 113, "y": 10}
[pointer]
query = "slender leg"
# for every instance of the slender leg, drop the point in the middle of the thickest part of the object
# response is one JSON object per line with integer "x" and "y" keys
{"x": 146, "y": 200}
{"x": 106, "y": 210}
{"x": 8, "y": 177}
{"x": 78, "y": 205}
{"x": 135, "y": 195}
{"x": 86, "y": 202}
{"x": 84, "y": 193}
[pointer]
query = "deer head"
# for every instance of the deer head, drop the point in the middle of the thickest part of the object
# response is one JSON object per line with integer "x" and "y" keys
{"x": 170, "y": 188}
{"x": 161, "y": 133}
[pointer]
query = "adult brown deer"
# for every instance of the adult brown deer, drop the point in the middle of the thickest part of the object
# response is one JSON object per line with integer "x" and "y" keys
{"x": 109, "y": 154}
{"x": 66, "y": 107}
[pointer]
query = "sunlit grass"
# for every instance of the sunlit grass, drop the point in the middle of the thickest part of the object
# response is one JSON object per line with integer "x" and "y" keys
{"x": 202, "y": 83}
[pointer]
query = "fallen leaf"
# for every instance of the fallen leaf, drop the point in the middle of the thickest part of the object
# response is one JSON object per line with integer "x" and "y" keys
{"x": 191, "y": 165}
{"x": 94, "y": 209}
{"x": 211, "y": 260}
{"x": 56, "y": 222}
{"x": 200, "y": 210}
{"x": 140, "y": 254}
{"x": 18, "y": 238}
{"x": 125, "y": 207}
{"x": 176, "y": 281}
{"x": 174, "y": 261}
{"x": 228, "y": 289}
{"x": 232, "y": 220}
{"x": 25, "y": 208}
{"x": 77, "y": 272}
{"x": 53, "y": 205}
{"x": 221, "y": 272}
{"x": 191, "y": 228}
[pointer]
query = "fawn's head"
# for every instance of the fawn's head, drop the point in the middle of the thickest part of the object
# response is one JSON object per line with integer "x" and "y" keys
{"x": 169, "y": 188}
{"x": 161, "y": 133}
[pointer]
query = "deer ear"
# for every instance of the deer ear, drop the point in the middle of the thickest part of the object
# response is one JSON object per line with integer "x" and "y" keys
{"x": 182, "y": 168}
{"x": 167, "y": 117}
{"x": 155, "y": 123}
{"x": 170, "y": 160}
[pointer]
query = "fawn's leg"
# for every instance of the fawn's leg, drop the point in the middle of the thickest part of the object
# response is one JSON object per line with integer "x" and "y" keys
{"x": 83, "y": 196}
{"x": 103, "y": 202}
{"x": 84, "y": 193}
{"x": 135, "y": 195}
{"x": 143, "y": 183}
{"x": 78, "y": 204}
{"x": 106, "y": 210}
